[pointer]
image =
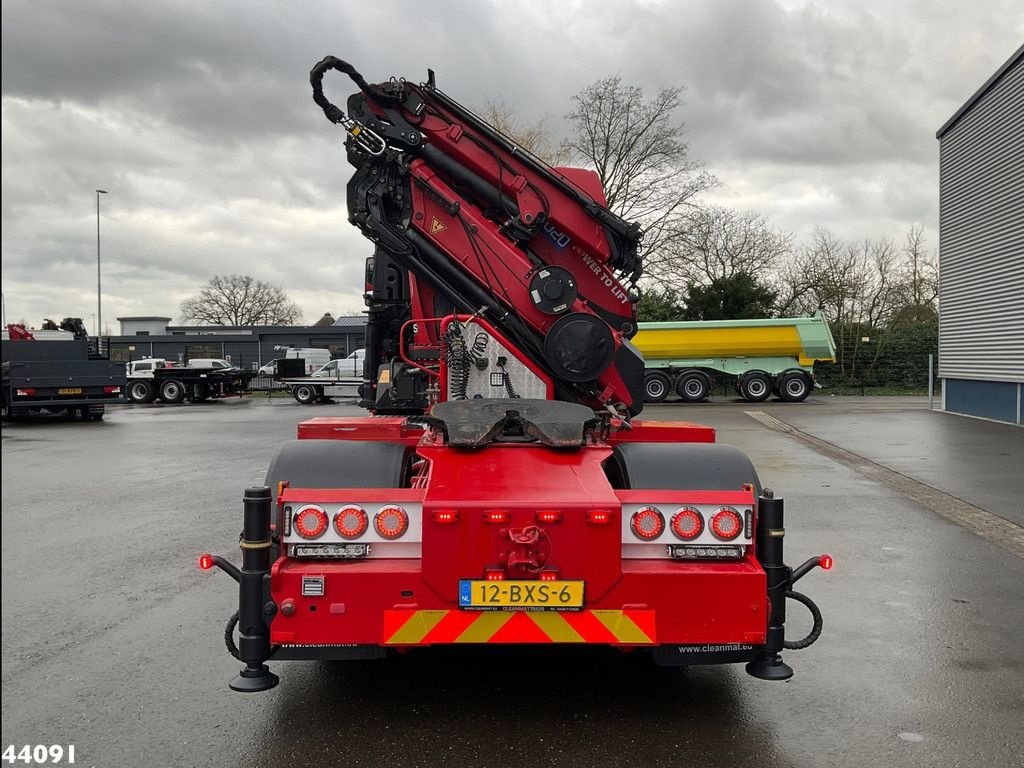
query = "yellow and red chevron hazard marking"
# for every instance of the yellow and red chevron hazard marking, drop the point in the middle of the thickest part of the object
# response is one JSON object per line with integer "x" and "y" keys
{"x": 414, "y": 627}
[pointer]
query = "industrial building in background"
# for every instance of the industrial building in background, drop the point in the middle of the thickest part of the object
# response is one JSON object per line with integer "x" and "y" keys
{"x": 981, "y": 250}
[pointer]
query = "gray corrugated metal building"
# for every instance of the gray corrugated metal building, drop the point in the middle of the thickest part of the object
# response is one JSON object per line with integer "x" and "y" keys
{"x": 981, "y": 250}
{"x": 247, "y": 347}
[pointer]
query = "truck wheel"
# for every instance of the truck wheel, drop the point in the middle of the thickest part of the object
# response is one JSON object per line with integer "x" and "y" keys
{"x": 794, "y": 387}
{"x": 172, "y": 391}
{"x": 656, "y": 386}
{"x": 141, "y": 391}
{"x": 693, "y": 387}
{"x": 305, "y": 394}
{"x": 756, "y": 387}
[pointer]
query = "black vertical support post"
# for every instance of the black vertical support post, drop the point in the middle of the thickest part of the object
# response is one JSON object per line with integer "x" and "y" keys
{"x": 770, "y": 534}
{"x": 253, "y": 626}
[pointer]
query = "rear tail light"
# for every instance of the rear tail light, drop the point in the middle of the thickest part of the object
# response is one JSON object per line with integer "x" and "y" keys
{"x": 549, "y": 574}
{"x": 496, "y": 516}
{"x": 687, "y": 524}
{"x": 494, "y": 574}
{"x": 311, "y": 522}
{"x": 391, "y": 521}
{"x": 446, "y": 516}
{"x": 27, "y": 392}
{"x": 825, "y": 562}
{"x": 112, "y": 390}
{"x": 549, "y": 516}
{"x": 647, "y": 523}
{"x": 599, "y": 516}
{"x": 205, "y": 562}
{"x": 726, "y": 524}
{"x": 351, "y": 522}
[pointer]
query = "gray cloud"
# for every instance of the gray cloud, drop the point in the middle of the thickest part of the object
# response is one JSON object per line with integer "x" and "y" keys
{"x": 197, "y": 119}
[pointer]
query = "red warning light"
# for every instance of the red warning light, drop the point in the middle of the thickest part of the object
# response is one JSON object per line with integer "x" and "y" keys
{"x": 826, "y": 562}
{"x": 205, "y": 562}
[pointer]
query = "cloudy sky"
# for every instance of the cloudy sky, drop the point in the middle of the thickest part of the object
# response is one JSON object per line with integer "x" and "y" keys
{"x": 197, "y": 118}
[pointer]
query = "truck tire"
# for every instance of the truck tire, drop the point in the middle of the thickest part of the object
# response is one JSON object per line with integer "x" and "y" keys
{"x": 681, "y": 467}
{"x": 657, "y": 385}
{"x": 172, "y": 391}
{"x": 756, "y": 386}
{"x": 693, "y": 387}
{"x": 794, "y": 387}
{"x": 304, "y": 393}
{"x": 141, "y": 391}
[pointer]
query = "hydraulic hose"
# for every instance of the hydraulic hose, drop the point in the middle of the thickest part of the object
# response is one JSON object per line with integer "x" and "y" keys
{"x": 815, "y": 633}
{"x": 229, "y": 635}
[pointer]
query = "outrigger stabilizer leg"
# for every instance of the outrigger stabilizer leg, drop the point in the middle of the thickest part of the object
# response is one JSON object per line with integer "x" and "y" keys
{"x": 255, "y": 609}
{"x": 770, "y": 534}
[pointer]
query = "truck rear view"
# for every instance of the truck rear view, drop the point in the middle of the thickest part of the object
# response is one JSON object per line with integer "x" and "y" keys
{"x": 504, "y": 490}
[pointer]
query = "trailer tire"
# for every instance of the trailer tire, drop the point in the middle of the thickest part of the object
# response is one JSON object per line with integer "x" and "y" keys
{"x": 693, "y": 387}
{"x": 172, "y": 391}
{"x": 141, "y": 391}
{"x": 756, "y": 386}
{"x": 794, "y": 387}
{"x": 304, "y": 393}
{"x": 681, "y": 467}
{"x": 657, "y": 385}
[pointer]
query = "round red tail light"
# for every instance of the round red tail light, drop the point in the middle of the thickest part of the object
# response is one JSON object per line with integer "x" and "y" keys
{"x": 311, "y": 522}
{"x": 647, "y": 523}
{"x": 726, "y": 524}
{"x": 391, "y": 521}
{"x": 687, "y": 524}
{"x": 351, "y": 522}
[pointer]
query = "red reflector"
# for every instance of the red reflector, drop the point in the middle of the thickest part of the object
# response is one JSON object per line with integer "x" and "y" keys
{"x": 825, "y": 561}
{"x": 446, "y": 516}
{"x": 551, "y": 575}
{"x": 647, "y": 523}
{"x": 549, "y": 516}
{"x": 391, "y": 521}
{"x": 205, "y": 562}
{"x": 496, "y": 516}
{"x": 726, "y": 524}
{"x": 310, "y": 522}
{"x": 351, "y": 521}
{"x": 112, "y": 390}
{"x": 599, "y": 516}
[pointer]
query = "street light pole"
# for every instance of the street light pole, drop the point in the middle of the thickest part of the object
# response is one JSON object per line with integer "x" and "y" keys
{"x": 99, "y": 293}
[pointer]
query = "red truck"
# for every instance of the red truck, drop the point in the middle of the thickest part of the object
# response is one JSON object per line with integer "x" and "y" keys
{"x": 504, "y": 489}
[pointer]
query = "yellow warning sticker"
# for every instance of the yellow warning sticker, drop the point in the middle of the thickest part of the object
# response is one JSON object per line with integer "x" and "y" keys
{"x": 436, "y": 225}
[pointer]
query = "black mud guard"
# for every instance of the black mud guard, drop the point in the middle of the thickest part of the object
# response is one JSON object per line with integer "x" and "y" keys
{"x": 339, "y": 464}
{"x": 682, "y": 466}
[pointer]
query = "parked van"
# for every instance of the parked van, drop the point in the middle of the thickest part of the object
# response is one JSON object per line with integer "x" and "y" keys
{"x": 315, "y": 358}
{"x": 211, "y": 362}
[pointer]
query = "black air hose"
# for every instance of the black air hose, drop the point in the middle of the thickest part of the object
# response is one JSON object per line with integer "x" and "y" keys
{"x": 815, "y": 633}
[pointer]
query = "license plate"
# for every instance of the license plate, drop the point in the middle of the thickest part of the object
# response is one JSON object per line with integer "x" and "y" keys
{"x": 70, "y": 391}
{"x": 531, "y": 595}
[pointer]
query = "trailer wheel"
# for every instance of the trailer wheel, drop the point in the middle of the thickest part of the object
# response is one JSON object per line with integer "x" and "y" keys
{"x": 681, "y": 467}
{"x": 794, "y": 387}
{"x": 657, "y": 385}
{"x": 693, "y": 387}
{"x": 141, "y": 391}
{"x": 756, "y": 386}
{"x": 172, "y": 391}
{"x": 305, "y": 393}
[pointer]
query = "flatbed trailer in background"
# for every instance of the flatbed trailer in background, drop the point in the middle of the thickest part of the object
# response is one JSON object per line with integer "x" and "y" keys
{"x": 57, "y": 374}
{"x": 769, "y": 356}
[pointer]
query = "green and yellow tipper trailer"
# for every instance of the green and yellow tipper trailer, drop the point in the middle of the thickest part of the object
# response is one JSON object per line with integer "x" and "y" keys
{"x": 768, "y": 357}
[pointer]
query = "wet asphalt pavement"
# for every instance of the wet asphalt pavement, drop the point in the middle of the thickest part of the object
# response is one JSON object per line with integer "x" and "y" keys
{"x": 112, "y": 639}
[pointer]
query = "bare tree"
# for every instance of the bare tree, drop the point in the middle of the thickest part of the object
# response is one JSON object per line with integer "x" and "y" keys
{"x": 918, "y": 280}
{"x": 639, "y": 154}
{"x": 717, "y": 244}
{"x": 535, "y": 138}
{"x": 240, "y": 300}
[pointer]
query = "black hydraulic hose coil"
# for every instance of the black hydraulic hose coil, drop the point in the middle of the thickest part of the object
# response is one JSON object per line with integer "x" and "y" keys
{"x": 229, "y": 635}
{"x": 815, "y": 633}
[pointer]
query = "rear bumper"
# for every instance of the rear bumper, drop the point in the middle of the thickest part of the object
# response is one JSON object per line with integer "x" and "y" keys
{"x": 389, "y": 603}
